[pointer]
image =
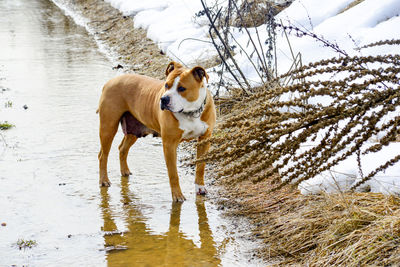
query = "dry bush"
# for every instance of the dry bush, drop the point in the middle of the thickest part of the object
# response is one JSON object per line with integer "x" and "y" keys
{"x": 267, "y": 133}
{"x": 253, "y": 13}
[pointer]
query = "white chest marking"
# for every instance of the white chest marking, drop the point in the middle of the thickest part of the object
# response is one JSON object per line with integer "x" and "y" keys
{"x": 191, "y": 127}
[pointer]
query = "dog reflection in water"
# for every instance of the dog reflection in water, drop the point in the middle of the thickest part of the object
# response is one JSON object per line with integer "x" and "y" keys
{"x": 139, "y": 247}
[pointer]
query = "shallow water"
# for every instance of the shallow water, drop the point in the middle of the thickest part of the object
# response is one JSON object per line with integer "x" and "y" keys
{"x": 49, "y": 170}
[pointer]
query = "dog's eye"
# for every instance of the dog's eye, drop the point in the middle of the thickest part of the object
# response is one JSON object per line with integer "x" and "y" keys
{"x": 181, "y": 89}
{"x": 166, "y": 86}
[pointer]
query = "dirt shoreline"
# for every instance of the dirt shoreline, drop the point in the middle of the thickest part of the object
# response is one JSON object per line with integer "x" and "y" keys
{"x": 129, "y": 46}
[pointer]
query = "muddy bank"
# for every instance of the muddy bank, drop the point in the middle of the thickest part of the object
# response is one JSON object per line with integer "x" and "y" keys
{"x": 127, "y": 46}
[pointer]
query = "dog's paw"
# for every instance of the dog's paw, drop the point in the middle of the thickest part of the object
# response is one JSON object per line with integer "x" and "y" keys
{"x": 200, "y": 189}
{"x": 105, "y": 182}
{"x": 125, "y": 173}
{"x": 178, "y": 197}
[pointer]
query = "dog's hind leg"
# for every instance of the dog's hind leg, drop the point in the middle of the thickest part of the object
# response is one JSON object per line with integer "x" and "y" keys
{"x": 127, "y": 142}
{"x": 108, "y": 129}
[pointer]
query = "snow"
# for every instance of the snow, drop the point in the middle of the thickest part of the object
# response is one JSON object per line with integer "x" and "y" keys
{"x": 346, "y": 173}
{"x": 172, "y": 24}
{"x": 367, "y": 22}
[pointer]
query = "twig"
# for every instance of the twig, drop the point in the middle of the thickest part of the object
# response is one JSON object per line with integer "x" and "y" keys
{"x": 250, "y": 38}
{"x": 226, "y": 48}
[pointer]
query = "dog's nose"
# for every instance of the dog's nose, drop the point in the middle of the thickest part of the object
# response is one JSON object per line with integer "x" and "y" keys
{"x": 164, "y": 102}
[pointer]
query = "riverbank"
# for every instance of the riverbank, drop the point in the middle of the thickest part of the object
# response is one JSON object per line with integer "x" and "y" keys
{"x": 350, "y": 229}
{"x": 125, "y": 45}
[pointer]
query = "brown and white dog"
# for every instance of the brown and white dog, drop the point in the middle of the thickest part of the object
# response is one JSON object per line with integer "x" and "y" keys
{"x": 178, "y": 109}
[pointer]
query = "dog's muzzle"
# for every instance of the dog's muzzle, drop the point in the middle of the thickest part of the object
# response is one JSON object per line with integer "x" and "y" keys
{"x": 164, "y": 102}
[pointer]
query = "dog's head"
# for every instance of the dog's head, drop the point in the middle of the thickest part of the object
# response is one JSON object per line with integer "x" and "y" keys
{"x": 185, "y": 89}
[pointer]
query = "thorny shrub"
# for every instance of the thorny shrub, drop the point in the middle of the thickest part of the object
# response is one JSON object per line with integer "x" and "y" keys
{"x": 271, "y": 128}
{"x": 269, "y": 131}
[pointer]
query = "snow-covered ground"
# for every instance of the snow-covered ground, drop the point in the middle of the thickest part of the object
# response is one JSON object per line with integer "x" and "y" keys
{"x": 172, "y": 24}
{"x": 365, "y": 23}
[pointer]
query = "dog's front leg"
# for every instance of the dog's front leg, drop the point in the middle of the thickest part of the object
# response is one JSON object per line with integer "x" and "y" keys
{"x": 169, "y": 148}
{"x": 201, "y": 150}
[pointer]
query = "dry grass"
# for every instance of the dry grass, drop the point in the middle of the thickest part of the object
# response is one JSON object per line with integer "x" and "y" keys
{"x": 353, "y": 229}
{"x": 348, "y": 229}
{"x": 351, "y": 5}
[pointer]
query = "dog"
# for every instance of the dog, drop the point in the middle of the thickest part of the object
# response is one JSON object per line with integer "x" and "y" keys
{"x": 178, "y": 109}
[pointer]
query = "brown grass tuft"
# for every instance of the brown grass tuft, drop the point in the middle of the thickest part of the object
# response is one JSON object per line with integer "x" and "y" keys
{"x": 351, "y": 5}
{"x": 352, "y": 229}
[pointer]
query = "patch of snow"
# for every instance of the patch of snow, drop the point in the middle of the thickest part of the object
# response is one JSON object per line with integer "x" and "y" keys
{"x": 172, "y": 26}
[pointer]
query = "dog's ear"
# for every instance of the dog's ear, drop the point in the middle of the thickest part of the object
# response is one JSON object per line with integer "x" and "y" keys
{"x": 199, "y": 73}
{"x": 171, "y": 66}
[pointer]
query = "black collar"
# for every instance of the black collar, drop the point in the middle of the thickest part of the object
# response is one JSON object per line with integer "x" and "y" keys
{"x": 196, "y": 113}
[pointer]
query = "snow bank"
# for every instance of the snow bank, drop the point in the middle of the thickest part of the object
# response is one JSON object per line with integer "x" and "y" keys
{"x": 367, "y": 22}
{"x": 346, "y": 174}
{"x": 172, "y": 26}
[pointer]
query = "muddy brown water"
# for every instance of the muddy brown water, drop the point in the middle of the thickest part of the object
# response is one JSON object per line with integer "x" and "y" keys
{"x": 51, "y": 74}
